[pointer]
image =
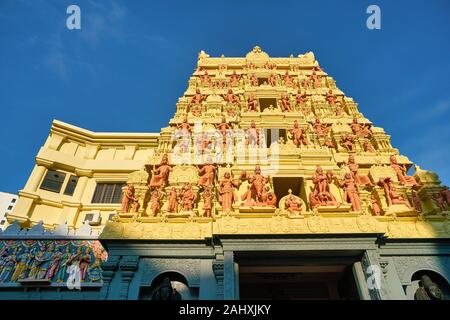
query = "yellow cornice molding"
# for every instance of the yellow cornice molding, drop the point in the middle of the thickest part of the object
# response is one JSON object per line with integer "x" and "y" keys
{"x": 88, "y": 136}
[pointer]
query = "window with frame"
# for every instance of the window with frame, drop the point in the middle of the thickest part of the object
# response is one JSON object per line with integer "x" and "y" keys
{"x": 53, "y": 181}
{"x": 108, "y": 192}
{"x": 71, "y": 185}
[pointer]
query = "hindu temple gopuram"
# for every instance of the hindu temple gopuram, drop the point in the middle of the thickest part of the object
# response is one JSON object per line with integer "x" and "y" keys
{"x": 267, "y": 183}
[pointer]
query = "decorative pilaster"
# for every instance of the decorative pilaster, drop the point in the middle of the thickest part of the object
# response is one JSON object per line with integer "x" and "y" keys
{"x": 229, "y": 276}
{"x": 109, "y": 268}
{"x": 218, "y": 267}
{"x": 128, "y": 265}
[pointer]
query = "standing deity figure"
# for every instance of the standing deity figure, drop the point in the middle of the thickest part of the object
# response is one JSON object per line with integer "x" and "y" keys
{"x": 351, "y": 194}
{"x": 257, "y": 184}
{"x": 319, "y": 128}
{"x": 253, "y": 80}
{"x": 331, "y": 97}
{"x": 252, "y": 103}
{"x": 64, "y": 262}
{"x": 321, "y": 192}
{"x": 207, "y": 173}
{"x": 272, "y": 80}
{"x": 205, "y": 78}
{"x": 360, "y": 130}
{"x": 416, "y": 201}
{"x": 230, "y": 97}
{"x": 353, "y": 167}
{"x": 392, "y": 196}
{"x": 300, "y": 97}
{"x": 298, "y": 135}
{"x": 234, "y": 79}
{"x": 161, "y": 173}
{"x": 207, "y": 202}
{"x": 188, "y": 197}
{"x": 85, "y": 261}
{"x": 288, "y": 80}
{"x": 285, "y": 104}
{"x": 136, "y": 205}
{"x": 400, "y": 170}
{"x": 173, "y": 201}
{"x": 54, "y": 265}
{"x": 155, "y": 200}
{"x": 348, "y": 142}
{"x": 315, "y": 79}
{"x": 375, "y": 206}
{"x": 22, "y": 265}
{"x": 292, "y": 204}
{"x": 226, "y": 191}
{"x": 223, "y": 126}
{"x": 368, "y": 146}
{"x": 198, "y": 98}
{"x": 252, "y": 135}
{"x": 428, "y": 290}
{"x": 128, "y": 198}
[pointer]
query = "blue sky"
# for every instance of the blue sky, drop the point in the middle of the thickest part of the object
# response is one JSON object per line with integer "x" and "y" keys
{"x": 127, "y": 66}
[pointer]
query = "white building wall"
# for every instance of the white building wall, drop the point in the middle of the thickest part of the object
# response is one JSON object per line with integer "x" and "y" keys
{"x": 7, "y": 203}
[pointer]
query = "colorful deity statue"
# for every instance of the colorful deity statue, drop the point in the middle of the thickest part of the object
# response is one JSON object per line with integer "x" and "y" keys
{"x": 161, "y": 173}
{"x": 63, "y": 263}
{"x": 22, "y": 265}
{"x": 298, "y": 135}
{"x": 54, "y": 265}
{"x": 400, "y": 170}
{"x": 198, "y": 98}
{"x": 368, "y": 147}
{"x": 226, "y": 191}
{"x": 257, "y": 184}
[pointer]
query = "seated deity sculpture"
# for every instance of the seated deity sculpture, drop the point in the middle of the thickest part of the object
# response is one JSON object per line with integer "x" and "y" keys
{"x": 230, "y": 97}
{"x": 272, "y": 80}
{"x": 360, "y": 130}
{"x": 319, "y": 128}
{"x": 331, "y": 98}
{"x": 392, "y": 196}
{"x": 285, "y": 104}
{"x": 160, "y": 173}
{"x": 253, "y": 81}
{"x": 348, "y": 142}
{"x": 400, "y": 170}
{"x": 252, "y": 103}
{"x": 288, "y": 80}
{"x": 234, "y": 79}
{"x": 301, "y": 98}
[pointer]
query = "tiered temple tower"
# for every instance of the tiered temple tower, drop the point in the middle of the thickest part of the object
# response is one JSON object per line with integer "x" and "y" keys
{"x": 264, "y": 158}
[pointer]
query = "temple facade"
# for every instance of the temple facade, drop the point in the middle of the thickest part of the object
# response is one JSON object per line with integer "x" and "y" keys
{"x": 267, "y": 183}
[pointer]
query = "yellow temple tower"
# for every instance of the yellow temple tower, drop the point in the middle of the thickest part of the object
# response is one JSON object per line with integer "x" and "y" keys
{"x": 268, "y": 182}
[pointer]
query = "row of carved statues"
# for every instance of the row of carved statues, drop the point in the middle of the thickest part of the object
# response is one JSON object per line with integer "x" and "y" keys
{"x": 254, "y": 136}
{"x": 286, "y": 103}
{"x": 260, "y": 193}
{"x": 30, "y": 260}
{"x": 314, "y": 79}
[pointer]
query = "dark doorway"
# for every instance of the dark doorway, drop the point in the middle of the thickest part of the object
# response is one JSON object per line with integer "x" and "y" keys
{"x": 267, "y": 102}
{"x": 307, "y": 278}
